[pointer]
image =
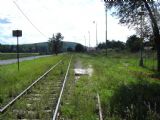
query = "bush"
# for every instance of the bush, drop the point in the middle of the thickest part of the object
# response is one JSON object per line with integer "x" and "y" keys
{"x": 79, "y": 48}
{"x": 133, "y": 43}
{"x": 69, "y": 49}
{"x": 136, "y": 101}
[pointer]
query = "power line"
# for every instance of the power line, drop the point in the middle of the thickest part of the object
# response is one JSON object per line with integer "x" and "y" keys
{"x": 28, "y": 19}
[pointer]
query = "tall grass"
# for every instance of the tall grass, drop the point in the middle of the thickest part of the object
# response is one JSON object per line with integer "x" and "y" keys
{"x": 126, "y": 90}
{"x": 13, "y": 81}
{"x": 47, "y": 89}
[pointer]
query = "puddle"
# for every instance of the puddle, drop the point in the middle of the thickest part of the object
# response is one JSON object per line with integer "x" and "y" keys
{"x": 79, "y": 71}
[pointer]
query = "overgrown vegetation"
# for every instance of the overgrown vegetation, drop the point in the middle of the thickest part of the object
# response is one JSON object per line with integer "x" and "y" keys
{"x": 79, "y": 48}
{"x": 112, "y": 45}
{"x": 126, "y": 90}
{"x": 41, "y": 99}
{"x": 128, "y": 14}
{"x": 12, "y": 81}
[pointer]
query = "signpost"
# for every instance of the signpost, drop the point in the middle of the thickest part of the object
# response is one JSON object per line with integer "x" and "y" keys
{"x": 17, "y": 33}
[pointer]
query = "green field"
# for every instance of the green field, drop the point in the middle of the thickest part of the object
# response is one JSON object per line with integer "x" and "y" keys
{"x": 13, "y": 82}
{"x": 126, "y": 90}
{"x": 5, "y": 56}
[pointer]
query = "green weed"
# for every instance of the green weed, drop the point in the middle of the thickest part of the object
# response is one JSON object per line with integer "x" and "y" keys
{"x": 126, "y": 90}
{"x": 12, "y": 81}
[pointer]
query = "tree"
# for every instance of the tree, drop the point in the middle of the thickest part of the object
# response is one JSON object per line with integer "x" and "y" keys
{"x": 79, "y": 48}
{"x": 55, "y": 43}
{"x": 50, "y": 44}
{"x": 127, "y": 11}
{"x": 133, "y": 43}
{"x": 102, "y": 45}
{"x": 112, "y": 44}
{"x": 69, "y": 49}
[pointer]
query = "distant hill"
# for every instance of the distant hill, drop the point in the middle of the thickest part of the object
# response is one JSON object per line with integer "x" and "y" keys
{"x": 41, "y": 48}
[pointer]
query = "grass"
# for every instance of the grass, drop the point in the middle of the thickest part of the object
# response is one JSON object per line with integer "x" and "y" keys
{"x": 79, "y": 101}
{"x": 12, "y": 81}
{"x": 126, "y": 90}
{"x": 6, "y": 56}
{"x": 45, "y": 90}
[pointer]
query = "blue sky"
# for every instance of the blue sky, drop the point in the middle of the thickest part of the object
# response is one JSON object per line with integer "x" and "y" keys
{"x": 73, "y": 18}
{"x": 4, "y": 21}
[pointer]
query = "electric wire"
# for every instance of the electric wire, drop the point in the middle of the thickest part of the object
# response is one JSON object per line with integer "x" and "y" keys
{"x": 29, "y": 19}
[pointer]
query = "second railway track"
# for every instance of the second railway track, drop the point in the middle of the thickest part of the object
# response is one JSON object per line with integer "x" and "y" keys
{"x": 41, "y": 100}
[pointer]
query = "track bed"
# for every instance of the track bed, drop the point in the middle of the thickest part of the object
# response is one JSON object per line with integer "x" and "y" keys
{"x": 40, "y": 101}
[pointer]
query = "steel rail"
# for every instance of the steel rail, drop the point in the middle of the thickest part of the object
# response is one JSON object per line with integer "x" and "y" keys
{"x": 24, "y": 91}
{"x": 60, "y": 95}
{"x": 99, "y": 106}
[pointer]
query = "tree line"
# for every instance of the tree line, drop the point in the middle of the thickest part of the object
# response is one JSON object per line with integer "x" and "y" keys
{"x": 133, "y": 44}
{"x": 28, "y": 48}
{"x": 54, "y": 45}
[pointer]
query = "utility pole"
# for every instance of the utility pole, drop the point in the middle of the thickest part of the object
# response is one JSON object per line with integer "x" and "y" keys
{"x": 106, "y": 25}
{"x": 141, "y": 27}
{"x": 85, "y": 42}
{"x": 89, "y": 40}
{"x": 96, "y": 36}
{"x": 96, "y": 33}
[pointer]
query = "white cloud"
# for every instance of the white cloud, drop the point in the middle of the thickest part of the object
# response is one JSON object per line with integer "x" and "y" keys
{"x": 73, "y": 18}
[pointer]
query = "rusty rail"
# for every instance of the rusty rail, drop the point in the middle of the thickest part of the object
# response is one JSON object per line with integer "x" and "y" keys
{"x": 29, "y": 87}
{"x": 99, "y": 106}
{"x": 60, "y": 95}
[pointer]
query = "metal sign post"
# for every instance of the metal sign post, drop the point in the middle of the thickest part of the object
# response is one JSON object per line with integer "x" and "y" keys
{"x": 17, "y": 33}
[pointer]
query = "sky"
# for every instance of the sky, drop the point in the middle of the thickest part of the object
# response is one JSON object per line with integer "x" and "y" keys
{"x": 73, "y": 18}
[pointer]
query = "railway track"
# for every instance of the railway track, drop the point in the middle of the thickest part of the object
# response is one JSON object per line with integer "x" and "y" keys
{"x": 42, "y": 100}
